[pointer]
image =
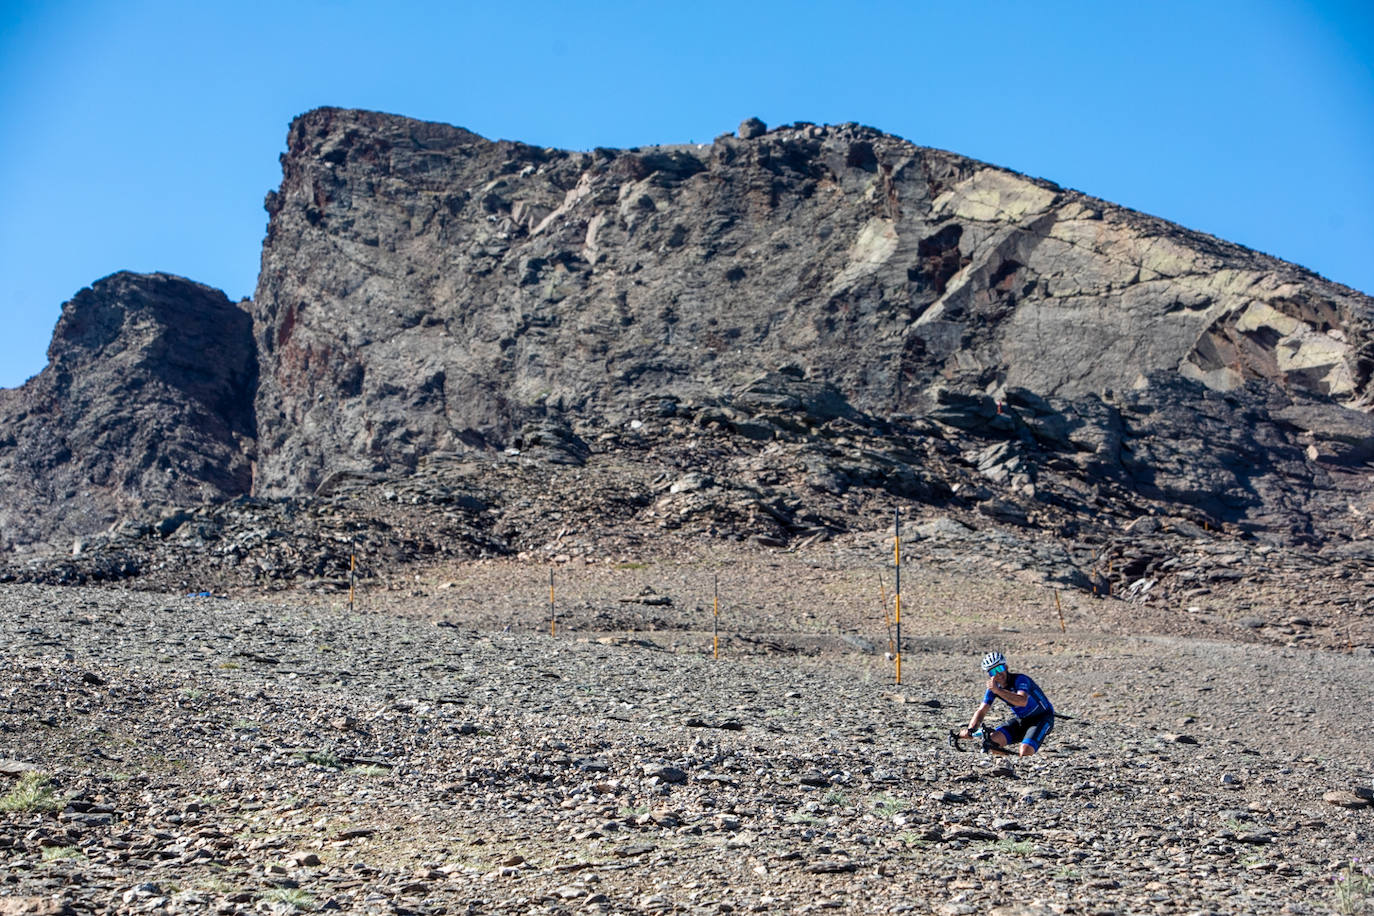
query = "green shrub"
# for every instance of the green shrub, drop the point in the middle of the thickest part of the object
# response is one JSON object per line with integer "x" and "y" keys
{"x": 57, "y": 853}
{"x": 291, "y": 896}
{"x": 31, "y": 794}
{"x": 322, "y": 758}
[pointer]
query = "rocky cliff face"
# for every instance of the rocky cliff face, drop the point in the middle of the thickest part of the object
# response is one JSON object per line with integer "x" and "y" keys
{"x": 467, "y": 348}
{"x": 423, "y": 288}
{"x": 147, "y": 400}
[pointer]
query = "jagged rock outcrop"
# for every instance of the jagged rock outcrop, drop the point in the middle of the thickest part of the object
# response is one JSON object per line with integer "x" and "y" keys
{"x": 423, "y": 288}
{"x": 474, "y": 348}
{"x": 146, "y": 401}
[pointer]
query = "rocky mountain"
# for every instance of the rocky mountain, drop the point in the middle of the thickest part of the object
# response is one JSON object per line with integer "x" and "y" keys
{"x": 423, "y": 288}
{"x": 667, "y": 376}
{"x": 463, "y": 348}
{"x": 146, "y": 401}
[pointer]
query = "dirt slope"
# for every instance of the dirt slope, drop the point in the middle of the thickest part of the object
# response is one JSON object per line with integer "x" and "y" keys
{"x": 440, "y": 755}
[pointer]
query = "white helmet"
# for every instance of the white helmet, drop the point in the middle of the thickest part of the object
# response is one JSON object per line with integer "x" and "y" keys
{"x": 992, "y": 660}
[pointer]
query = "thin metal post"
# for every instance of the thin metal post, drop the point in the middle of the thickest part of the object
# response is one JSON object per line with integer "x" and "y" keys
{"x": 887, "y": 615}
{"x": 553, "y": 609}
{"x": 897, "y": 559}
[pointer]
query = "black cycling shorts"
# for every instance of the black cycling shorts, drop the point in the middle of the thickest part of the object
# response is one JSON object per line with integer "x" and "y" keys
{"x": 1032, "y": 730}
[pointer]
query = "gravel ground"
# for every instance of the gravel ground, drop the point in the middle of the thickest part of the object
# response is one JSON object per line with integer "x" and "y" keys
{"x": 434, "y": 749}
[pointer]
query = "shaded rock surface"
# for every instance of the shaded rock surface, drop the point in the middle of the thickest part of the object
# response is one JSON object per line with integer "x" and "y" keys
{"x": 147, "y": 400}
{"x": 1110, "y": 498}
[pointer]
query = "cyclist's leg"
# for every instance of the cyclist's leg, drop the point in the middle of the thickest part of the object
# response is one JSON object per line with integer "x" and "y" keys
{"x": 1009, "y": 734}
{"x": 1036, "y": 735}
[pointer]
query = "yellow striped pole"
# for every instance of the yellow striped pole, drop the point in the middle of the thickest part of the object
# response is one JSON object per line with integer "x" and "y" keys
{"x": 887, "y": 616}
{"x": 1060, "y": 608}
{"x": 897, "y": 560}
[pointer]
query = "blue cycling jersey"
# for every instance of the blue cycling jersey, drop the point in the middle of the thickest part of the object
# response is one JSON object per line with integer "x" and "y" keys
{"x": 1036, "y": 701}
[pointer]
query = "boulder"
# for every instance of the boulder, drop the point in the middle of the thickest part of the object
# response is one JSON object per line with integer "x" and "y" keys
{"x": 752, "y": 128}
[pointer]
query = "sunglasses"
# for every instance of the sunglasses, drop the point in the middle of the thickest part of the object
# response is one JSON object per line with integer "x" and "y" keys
{"x": 993, "y": 672}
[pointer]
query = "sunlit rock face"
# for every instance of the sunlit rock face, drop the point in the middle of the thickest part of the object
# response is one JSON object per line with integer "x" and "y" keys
{"x": 423, "y": 288}
{"x": 845, "y": 317}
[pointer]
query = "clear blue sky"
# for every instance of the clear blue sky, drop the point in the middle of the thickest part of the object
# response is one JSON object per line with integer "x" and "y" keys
{"x": 143, "y": 135}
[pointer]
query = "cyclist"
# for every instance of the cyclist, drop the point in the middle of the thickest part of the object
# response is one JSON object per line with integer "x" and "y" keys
{"x": 1032, "y": 709}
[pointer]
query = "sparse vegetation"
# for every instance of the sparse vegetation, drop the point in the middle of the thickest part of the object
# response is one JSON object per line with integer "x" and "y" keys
{"x": 216, "y": 885}
{"x": 62, "y": 853}
{"x": 1354, "y": 887}
{"x": 294, "y": 897}
{"x": 1010, "y": 847}
{"x": 33, "y": 793}
{"x": 884, "y": 805}
{"x": 324, "y": 758}
{"x": 369, "y": 769}
{"x": 913, "y": 840}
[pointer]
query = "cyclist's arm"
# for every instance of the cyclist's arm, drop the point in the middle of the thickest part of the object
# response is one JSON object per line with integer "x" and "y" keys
{"x": 1017, "y": 700}
{"x": 977, "y": 719}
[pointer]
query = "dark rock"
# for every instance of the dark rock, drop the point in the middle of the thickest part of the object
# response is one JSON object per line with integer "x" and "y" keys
{"x": 146, "y": 401}
{"x": 552, "y": 441}
{"x": 831, "y": 867}
{"x": 1004, "y": 511}
{"x": 666, "y": 773}
{"x": 752, "y": 128}
{"x": 968, "y": 411}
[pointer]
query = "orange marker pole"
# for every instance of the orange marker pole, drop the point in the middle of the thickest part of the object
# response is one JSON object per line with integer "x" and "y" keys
{"x": 887, "y": 618}
{"x": 1060, "y": 608}
{"x": 897, "y": 559}
{"x": 352, "y": 568}
{"x": 553, "y": 611}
